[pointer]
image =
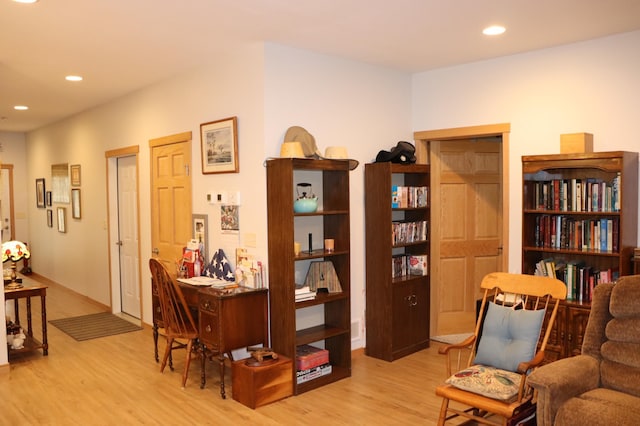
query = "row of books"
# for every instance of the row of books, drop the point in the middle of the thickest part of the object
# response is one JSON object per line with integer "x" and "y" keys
{"x": 409, "y": 232}
{"x": 303, "y": 376}
{"x": 405, "y": 197}
{"x": 579, "y": 278}
{"x": 564, "y": 232}
{"x": 303, "y": 292}
{"x": 311, "y": 362}
{"x": 577, "y": 195}
{"x": 409, "y": 264}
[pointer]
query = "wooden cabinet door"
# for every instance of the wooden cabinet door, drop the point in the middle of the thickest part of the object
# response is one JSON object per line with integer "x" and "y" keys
{"x": 410, "y": 316}
{"x": 577, "y": 319}
{"x": 401, "y": 317}
{"x": 555, "y": 344}
{"x": 420, "y": 313}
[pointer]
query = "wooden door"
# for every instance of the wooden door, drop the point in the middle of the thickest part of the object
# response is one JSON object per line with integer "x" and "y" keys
{"x": 467, "y": 226}
{"x": 171, "y": 222}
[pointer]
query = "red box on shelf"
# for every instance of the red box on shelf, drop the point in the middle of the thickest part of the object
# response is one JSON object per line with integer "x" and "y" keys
{"x": 308, "y": 356}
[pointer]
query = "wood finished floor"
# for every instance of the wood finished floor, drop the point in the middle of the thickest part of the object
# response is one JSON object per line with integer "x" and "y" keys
{"x": 116, "y": 381}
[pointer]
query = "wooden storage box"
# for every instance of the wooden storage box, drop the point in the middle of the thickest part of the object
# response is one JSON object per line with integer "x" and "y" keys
{"x": 257, "y": 386}
{"x": 576, "y": 143}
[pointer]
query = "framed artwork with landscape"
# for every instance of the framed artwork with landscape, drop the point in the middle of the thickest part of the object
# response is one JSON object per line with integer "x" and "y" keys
{"x": 219, "y": 146}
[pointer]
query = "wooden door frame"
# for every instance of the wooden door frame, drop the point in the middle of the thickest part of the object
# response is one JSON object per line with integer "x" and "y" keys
{"x": 112, "y": 223}
{"x": 422, "y": 140}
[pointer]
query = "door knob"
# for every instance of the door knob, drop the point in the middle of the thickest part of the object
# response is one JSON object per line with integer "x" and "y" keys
{"x": 155, "y": 251}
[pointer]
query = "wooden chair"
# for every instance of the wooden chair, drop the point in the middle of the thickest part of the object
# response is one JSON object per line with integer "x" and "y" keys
{"x": 491, "y": 366}
{"x": 176, "y": 316}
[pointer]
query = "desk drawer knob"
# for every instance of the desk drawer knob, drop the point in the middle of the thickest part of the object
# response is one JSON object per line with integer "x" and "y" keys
{"x": 208, "y": 328}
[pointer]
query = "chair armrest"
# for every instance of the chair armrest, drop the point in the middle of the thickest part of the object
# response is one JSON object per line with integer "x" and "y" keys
{"x": 454, "y": 353}
{"x": 561, "y": 380}
{"x": 443, "y": 350}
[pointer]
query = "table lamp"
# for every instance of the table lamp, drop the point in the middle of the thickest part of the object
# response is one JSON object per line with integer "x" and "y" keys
{"x": 14, "y": 251}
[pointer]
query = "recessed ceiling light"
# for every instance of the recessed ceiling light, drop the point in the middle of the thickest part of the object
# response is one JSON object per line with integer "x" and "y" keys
{"x": 25, "y": 1}
{"x": 494, "y": 30}
{"x": 73, "y": 78}
{"x": 21, "y": 107}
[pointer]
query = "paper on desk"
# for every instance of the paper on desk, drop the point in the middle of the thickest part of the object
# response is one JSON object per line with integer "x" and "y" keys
{"x": 203, "y": 281}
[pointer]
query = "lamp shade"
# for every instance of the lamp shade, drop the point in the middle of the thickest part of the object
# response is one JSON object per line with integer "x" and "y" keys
{"x": 14, "y": 251}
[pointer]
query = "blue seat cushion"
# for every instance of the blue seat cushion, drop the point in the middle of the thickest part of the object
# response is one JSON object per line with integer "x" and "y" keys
{"x": 509, "y": 336}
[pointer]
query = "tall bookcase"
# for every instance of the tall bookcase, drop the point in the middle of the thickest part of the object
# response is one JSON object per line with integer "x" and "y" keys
{"x": 324, "y": 321}
{"x": 397, "y": 229}
{"x": 580, "y": 214}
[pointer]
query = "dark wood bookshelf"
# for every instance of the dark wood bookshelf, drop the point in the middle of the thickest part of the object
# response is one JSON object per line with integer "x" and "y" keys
{"x": 334, "y": 333}
{"x": 617, "y": 169}
{"x": 397, "y": 308}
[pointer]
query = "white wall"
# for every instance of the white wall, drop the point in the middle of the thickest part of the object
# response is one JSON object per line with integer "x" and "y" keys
{"x": 269, "y": 88}
{"x": 584, "y": 87}
{"x": 13, "y": 152}
{"x": 232, "y": 87}
{"x": 344, "y": 103}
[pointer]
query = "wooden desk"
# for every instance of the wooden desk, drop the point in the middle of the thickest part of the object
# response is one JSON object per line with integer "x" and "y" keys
{"x": 30, "y": 290}
{"x": 229, "y": 319}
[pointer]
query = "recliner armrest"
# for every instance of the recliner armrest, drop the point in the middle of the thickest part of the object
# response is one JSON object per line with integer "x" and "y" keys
{"x": 560, "y": 380}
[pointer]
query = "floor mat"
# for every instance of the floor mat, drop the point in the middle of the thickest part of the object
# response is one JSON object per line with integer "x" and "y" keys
{"x": 93, "y": 326}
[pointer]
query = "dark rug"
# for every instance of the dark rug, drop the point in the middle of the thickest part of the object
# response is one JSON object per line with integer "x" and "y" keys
{"x": 93, "y": 326}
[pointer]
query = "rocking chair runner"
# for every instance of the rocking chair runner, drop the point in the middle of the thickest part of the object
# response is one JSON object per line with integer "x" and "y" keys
{"x": 492, "y": 365}
{"x": 176, "y": 316}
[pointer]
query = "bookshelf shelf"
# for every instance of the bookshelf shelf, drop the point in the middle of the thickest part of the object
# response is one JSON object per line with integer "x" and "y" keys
{"x": 290, "y": 323}
{"x": 397, "y": 307}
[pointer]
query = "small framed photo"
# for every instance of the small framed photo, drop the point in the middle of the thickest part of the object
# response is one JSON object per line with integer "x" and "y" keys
{"x": 50, "y": 218}
{"x": 62, "y": 219}
{"x": 48, "y": 197}
{"x": 40, "y": 193}
{"x": 201, "y": 234}
{"x": 76, "y": 206}
{"x": 75, "y": 174}
{"x": 219, "y": 146}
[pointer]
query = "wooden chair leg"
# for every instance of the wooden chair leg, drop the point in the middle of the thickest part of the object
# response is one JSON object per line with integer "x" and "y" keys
{"x": 186, "y": 363}
{"x": 443, "y": 411}
{"x": 167, "y": 352}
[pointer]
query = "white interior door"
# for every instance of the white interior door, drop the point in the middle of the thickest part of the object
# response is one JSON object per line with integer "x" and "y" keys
{"x": 6, "y": 203}
{"x": 128, "y": 235}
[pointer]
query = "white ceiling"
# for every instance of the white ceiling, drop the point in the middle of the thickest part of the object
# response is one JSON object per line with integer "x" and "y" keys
{"x": 120, "y": 46}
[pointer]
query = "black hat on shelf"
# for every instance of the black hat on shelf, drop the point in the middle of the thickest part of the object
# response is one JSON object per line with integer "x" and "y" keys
{"x": 402, "y": 153}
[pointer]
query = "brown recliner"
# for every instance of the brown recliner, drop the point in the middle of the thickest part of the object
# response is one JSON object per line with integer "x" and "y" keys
{"x": 602, "y": 385}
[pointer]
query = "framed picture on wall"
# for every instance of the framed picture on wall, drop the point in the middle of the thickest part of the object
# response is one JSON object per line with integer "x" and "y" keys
{"x": 62, "y": 219}
{"x": 48, "y": 198}
{"x": 76, "y": 207}
{"x": 40, "y": 193}
{"x": 219, "y": 146}
{"x": 50, "y": 218}
{"x": 75, "y": 174}
{"x": 201, "y": 234}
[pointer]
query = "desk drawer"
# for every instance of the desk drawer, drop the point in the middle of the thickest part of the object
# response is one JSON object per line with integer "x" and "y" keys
{"x": 209, "y": 304}
{"x": 210, "y": 330}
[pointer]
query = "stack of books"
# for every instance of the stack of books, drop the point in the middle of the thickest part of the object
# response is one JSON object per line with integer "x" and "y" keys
{"x": 304, "y": 293}
{"x": 311, "y": 363}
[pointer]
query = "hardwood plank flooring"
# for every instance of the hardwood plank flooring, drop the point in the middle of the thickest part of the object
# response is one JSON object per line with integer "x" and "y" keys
{"x": 116, "y": 381}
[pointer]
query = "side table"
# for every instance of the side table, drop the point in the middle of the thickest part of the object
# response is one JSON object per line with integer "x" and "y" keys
{"x": 27, "y": 292}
